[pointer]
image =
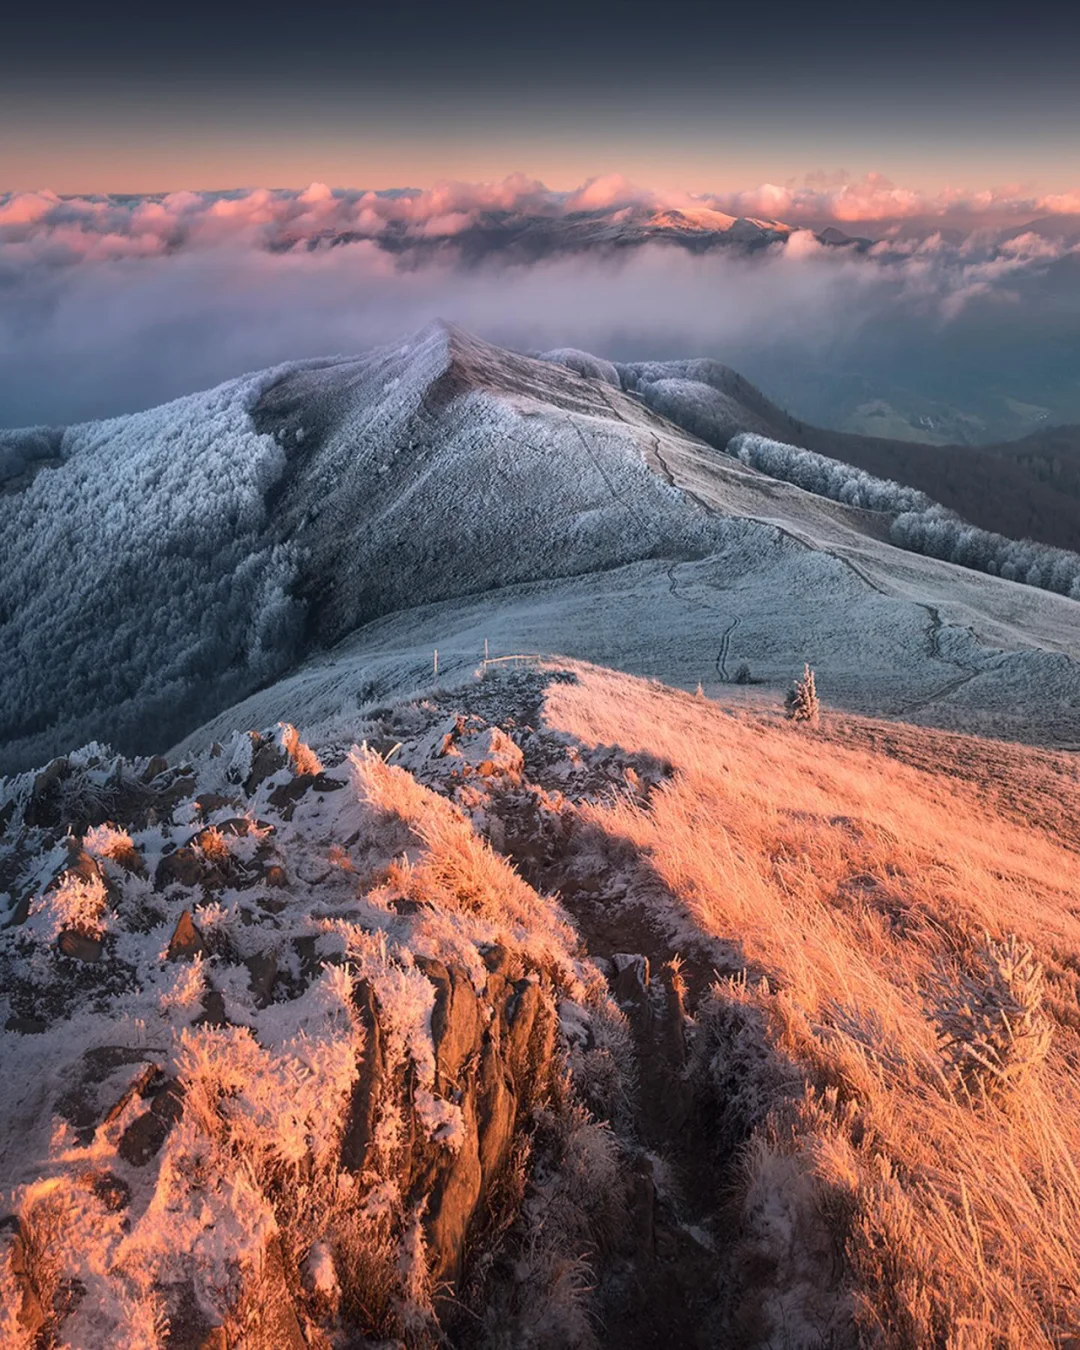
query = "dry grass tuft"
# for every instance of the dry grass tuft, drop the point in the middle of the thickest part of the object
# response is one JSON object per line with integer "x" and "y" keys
{"x": 213, "y": 845}
{"x": 304, "y": 760}
{"x": 79, "y": 904}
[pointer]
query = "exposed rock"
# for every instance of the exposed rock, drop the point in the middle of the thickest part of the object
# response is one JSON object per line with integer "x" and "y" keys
{"x": 126, "y": 856}
{"x": 363, "y": 1111}
{"x": 631, "y": 983}
{"x": 175, "y": 789}
{"x": 451, "y": 1181}
{"x": 213, "y": 1010}
{"x": 30, "y": 1315}
{"x": 266, "y": 1316}
{"x": 189, "y": 1326}
{"x": 496, "y": 1112}
{"x": 467, "y": 745}
{"x": 209, "y": 802}
{"x": 113, "y": 1192}
{"x": 43, "y": 807}
{"x": 186, "y": 942}
{"x": 286, "y": 795}
{"x": 529, "y": 1030}
{"x": 79, "y": 946}
{"x": 106, "y": 1079}
{"x": 85, "y": 867}
{"x": 186, "y": 866}
{"x": 455, "y": 1020}
{"x": 143, "y": 1138}
{"x": 267, "y": 759}
{"x": 262, "y": 972}
{"x": 156, "y": 765}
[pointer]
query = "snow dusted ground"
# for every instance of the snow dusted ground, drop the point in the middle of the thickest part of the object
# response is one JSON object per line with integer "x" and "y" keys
{"x": 790, "y": 577}
{"x": 314, "y": 532}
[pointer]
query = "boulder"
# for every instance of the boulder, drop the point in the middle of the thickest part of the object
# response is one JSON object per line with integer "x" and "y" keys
{"x": 103, "y": 1081}
{"x": 186, "y": 942}
{"x": 143, "y": 1138}
{"x": 79, "y": 946}
{"x": 262, "y": 972}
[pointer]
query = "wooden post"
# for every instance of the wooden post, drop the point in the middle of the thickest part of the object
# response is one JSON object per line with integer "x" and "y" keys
{"x": 485, "y": 651}
{"x": 436, "y": 664}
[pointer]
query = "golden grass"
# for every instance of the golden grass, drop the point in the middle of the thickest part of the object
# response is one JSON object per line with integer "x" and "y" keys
{"x": 862, "y": 892}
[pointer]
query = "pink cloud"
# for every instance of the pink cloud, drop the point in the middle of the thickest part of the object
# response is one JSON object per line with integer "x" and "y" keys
{"x": 59, "y": 230}
{"x": 25, "y": 208}
{"x": 609, "y": 190}
{"x": 874, "y": 199}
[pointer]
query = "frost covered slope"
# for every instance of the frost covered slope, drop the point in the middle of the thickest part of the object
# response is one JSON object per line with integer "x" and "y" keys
{"x": 177, "y": 561}
{"x": 789, "y": 577}
{"x": 1028, "y": 488}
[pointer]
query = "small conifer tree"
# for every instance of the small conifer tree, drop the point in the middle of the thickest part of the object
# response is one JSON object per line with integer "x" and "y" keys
{"x": 802, "y": 700}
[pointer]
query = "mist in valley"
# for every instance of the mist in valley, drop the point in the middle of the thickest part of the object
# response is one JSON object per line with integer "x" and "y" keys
{"x": 942, "y": 341}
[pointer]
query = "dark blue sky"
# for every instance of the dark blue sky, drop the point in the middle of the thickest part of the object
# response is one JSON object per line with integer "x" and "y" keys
{"x": 134, "y": 97}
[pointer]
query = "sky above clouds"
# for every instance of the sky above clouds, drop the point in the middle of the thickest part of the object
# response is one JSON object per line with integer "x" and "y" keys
{"x": 156, "y": 233}
{"x": 698, "y": 96}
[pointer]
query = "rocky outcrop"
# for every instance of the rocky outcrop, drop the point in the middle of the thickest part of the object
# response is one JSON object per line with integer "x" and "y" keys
{"x": 494, "y": 1057}
{"x": 318, "y": 1056}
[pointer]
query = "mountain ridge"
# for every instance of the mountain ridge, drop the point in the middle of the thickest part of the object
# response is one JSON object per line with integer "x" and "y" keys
{"x": 225, "y": 540}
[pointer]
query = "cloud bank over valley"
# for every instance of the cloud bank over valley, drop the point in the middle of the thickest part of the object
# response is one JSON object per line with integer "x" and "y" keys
{"x": 951, "y": 316}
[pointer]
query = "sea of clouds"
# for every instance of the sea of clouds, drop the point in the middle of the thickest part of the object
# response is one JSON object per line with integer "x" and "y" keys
{"x": 109, "y": 304}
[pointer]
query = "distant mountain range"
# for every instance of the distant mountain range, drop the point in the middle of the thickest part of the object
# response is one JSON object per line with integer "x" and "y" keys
{"x": 523, "y": 237}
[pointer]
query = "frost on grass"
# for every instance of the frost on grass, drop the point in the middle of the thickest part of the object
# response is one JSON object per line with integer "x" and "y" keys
{"x": 256, "y": 1105}
{"x": 994, "y": 1032}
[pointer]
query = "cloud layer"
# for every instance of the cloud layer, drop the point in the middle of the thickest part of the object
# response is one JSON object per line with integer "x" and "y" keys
{"x": 111, "y": 304}
{"x": 42, "y": 228}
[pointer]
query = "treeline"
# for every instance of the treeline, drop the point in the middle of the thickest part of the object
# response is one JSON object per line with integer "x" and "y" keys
{"x": 920, "y": 524}
{"x": 826, "y": 477}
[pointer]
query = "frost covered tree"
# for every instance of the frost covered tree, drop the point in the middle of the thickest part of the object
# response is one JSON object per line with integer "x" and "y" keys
{"x": 802, "y": 703}
{"x": 919, "y": 524}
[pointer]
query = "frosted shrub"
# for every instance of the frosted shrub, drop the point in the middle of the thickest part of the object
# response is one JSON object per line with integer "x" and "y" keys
{"x": 802, "y": 700}
{"x": 993, "y": 1031}
{"x": 79, "y": 905}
